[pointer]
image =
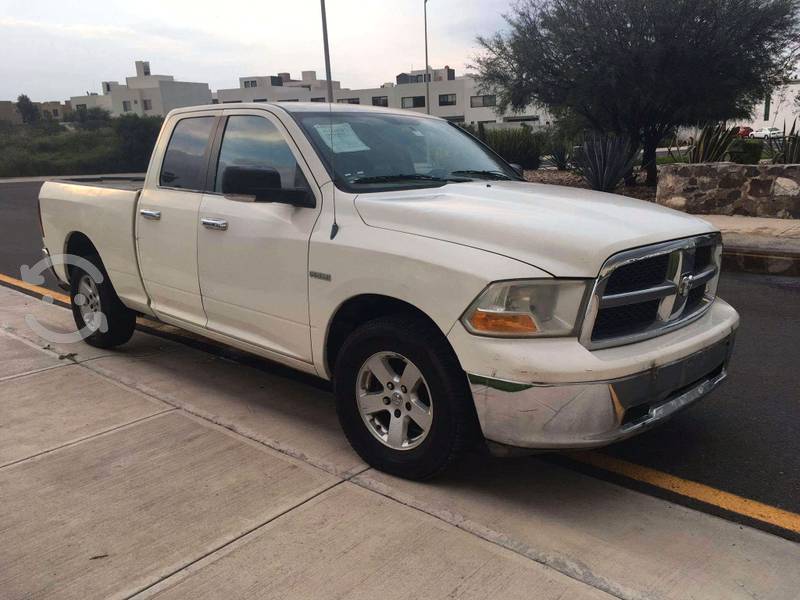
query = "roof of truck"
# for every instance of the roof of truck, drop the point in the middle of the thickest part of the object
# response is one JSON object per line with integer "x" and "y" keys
{"x": 298, "y": 107}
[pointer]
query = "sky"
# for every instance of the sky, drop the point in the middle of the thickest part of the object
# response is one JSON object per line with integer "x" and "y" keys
{"x": 55, "y": 49}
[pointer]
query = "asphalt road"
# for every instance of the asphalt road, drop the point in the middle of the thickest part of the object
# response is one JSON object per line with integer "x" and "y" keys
{"x": 743, "y": 439}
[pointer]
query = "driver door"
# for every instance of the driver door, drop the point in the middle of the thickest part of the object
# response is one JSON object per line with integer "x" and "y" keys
{"x": 253, "y": 256}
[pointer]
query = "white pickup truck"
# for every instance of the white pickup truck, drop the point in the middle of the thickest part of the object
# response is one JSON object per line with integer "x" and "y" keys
{"x": 399, "y": 257}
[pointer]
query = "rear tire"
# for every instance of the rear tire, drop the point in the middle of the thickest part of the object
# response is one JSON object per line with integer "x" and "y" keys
{"x": 419, "y": 421}
{"x": 97, "y": 310}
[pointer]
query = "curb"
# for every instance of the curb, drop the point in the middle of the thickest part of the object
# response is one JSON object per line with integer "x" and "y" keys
{"x": 762, "y": 262}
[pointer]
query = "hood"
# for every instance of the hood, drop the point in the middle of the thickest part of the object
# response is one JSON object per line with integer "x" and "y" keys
{"x": 567, "y": 232}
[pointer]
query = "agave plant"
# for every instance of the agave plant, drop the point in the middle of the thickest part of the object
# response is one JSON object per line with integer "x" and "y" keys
{"x": 560, "y": 156}
{"x": 605, "y": 160}
{"x": 787, "y": 150}
{"x": 711, "y": 146}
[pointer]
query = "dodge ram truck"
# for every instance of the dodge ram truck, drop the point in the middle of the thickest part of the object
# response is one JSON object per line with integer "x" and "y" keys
{"x": 394, "y": 254}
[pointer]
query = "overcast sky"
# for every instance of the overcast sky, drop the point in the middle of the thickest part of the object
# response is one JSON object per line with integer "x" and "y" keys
{"x": 56, "y": 49}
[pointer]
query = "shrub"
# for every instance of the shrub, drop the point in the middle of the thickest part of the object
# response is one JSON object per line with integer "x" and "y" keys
{"x": 744, "y": 151}
{"x": 518, "y": 145}
{"x": 119, "y": 145}
{"x": 604, "y": 161}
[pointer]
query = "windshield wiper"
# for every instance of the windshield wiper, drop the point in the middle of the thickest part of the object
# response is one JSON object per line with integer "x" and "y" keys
{"x": 483, "y": 174}
{"x": 397, "y": 177}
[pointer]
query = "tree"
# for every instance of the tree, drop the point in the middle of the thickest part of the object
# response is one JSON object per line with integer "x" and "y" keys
{"x": 642, "y": 67}
{"x": 29, "y": 111}
{"x": 137, "y": 137}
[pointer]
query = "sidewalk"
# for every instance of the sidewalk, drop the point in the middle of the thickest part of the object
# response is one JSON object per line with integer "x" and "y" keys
{"x": 759, "y": 245}
{"x": 161, "y": 470}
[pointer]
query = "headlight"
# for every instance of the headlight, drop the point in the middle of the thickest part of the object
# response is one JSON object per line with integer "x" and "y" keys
{"x": 539, "y": 307}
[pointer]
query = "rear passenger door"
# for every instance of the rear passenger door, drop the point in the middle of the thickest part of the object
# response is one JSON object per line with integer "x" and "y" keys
{"x": 167, "y": 218}
{"x": 253, "y": 256}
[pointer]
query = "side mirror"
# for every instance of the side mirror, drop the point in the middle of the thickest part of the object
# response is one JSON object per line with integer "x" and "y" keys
{"x": 518, "y": 168}
{"x": 263, "y": 185}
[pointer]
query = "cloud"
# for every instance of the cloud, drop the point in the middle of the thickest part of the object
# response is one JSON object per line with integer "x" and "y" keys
{"x": 51, "y": 53}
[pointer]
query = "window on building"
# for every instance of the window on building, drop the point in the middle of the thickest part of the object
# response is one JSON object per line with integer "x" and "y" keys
{"x": 289, "y": 100}
{"x": 80, "y": 107}
{"x": 214, "y": 101}
{"x": 318, "y": 99}
{"x": 253, "y": 142}
{"x": 447, "y": 99}
{"x": 413, "y": 102}
{"x": 348, "y": 101}
{"x": 126, "y": 106}
{"x": 380, "y": 101}
{"x": 55, "y": 112}
{"x": 148, "y": 104}
{"x": 184, "y": 163}
{"x": 260, "y": 100}
{"x": 766, "y": 108}
{"x": 481, "y": 101}
{"x": 250, "y": 83}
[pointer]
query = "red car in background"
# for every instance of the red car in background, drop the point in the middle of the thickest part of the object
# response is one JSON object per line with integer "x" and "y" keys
{"x": 744, "y": 132}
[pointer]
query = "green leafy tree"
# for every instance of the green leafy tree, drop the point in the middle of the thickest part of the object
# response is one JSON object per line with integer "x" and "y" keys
{"x": 642, "y": 67}
{"x": 137, "y": 137}
{"x": 28, "y": 110}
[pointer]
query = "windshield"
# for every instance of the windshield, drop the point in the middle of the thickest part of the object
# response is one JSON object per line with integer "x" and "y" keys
{"x": 372, "y": 151}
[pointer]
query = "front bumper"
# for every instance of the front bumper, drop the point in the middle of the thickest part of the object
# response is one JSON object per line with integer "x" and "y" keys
{"x": 582, "y": 414}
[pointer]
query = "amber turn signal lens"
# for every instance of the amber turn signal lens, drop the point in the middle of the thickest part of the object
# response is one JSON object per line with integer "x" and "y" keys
{"x": 501, "y": 322}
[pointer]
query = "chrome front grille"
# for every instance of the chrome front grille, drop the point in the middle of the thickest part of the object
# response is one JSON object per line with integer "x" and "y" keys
{"x": 648, "y": 291}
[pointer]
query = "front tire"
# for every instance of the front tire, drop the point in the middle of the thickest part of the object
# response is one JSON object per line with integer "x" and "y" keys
{"x": 98, "y": 312}
{"x": 402, "y": 398}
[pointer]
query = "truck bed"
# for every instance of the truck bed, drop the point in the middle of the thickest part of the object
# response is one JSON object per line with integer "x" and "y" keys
{"x": 104, "y": 211}
{"x": 132, "y": 183}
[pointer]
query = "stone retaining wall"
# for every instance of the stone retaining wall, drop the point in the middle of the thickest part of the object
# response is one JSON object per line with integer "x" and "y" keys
{"x": 731, "y": 189}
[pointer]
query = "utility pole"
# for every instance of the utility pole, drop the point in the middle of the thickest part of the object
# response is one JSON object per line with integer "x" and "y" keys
{"x": 427, "y": 66}
{"x": 327, "y": 52}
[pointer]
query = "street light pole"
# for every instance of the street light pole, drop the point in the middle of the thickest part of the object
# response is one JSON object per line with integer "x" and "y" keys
{"x": 427, "y": 66}
{"x": 327, "y": 52}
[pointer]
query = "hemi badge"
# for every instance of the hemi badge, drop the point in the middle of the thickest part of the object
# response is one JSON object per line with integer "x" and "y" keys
{"x": 318, "y": 275}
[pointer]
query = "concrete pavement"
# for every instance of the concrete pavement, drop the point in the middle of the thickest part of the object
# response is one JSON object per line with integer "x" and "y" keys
{"x": 161, "y": 470}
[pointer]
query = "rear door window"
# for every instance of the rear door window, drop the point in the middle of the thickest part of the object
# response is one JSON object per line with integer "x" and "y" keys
{"x": 186, "y": 157}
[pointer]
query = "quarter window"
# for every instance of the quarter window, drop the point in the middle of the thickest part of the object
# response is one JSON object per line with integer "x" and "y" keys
{"x": 481, "y": 101}
{"x": 254, "y": 143}
{"x": 184, "y": 163}
{"x": 447, "y": 99}
{"x": 413, "y": 102}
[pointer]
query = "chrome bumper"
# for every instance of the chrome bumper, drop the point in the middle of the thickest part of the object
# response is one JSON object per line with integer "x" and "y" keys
{"x": 595, "y": 413}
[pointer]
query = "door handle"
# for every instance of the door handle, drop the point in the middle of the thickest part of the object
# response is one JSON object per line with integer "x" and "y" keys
{"x": 216, "y": 224}
{"x": 153, "y": 215}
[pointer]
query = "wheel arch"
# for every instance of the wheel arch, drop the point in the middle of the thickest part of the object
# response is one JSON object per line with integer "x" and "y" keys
{"x": 79, "y": 244}
{"x": 357, "y": 310}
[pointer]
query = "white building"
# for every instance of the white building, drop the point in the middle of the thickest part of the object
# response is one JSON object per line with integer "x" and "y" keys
{"x": 454, "y": 98}
{"x": 781, "y": 108}
{"x": 145, "y": 94}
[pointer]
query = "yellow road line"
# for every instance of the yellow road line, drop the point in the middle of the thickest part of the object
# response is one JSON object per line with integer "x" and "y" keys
{"x": 18, "y": 283}
{"x": 691, "y": 489}
{"x": 683, "y": 487}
